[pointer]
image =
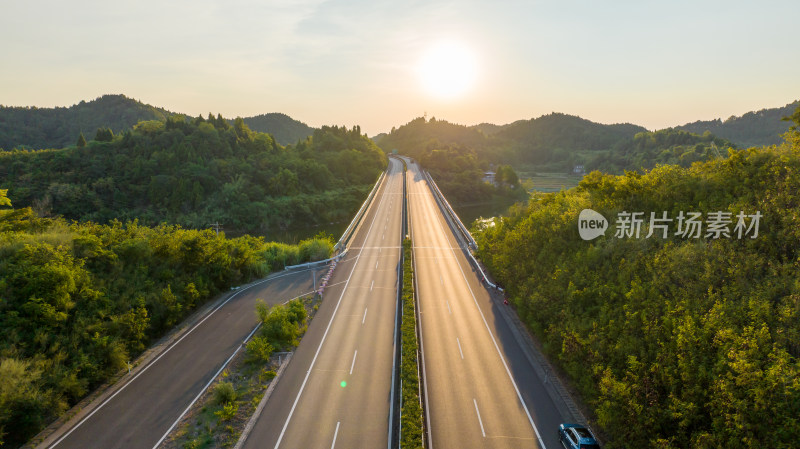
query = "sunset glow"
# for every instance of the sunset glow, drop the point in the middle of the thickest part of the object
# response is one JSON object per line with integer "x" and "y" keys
{"x": 447, "y": 69}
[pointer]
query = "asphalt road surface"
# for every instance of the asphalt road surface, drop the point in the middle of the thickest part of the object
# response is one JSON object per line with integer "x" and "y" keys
{"x": 337, "y": 389}
{"x": 481, "y": 390}
{"x": 139, "y": 414}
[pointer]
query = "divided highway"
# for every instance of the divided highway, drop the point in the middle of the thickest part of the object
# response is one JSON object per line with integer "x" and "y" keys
{"x": 337, "y": 390}
{"x": 481, "y": 391}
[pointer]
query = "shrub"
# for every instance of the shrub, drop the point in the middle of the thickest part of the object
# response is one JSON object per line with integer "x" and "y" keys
{"x": 258, "y": 350}
{"x": 224, "y": 393}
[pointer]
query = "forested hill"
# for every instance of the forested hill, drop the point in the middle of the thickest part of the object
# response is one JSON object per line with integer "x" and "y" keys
{"x": 548, "y": 136}
{"x": 198, "y": 171}
{"x": 691, "y": 333}
{"x": 557, "y": 142}
{"x": 415, "y": 136}
{"x": 284, "y": 129}
{"x": 41, "y": 128}
{"x": 38, "y": 128}
{"x": 758, "y": 128}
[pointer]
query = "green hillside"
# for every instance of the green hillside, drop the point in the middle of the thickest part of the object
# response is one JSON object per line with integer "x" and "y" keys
{"x": 39, "y": 128}
{"x": 667, "y": 146}
{"x": 194, "y": 172}
{"x": 284, "y": 129}
{"x": 557, "y": 137}
{"x": 556, "y": 143}
{"x": 415, "y": 136}
{"x": 757, "y": 128}
{"x": 693, "y": 339}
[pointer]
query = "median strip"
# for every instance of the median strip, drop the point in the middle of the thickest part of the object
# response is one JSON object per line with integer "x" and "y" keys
{"x": 411, "y": 423}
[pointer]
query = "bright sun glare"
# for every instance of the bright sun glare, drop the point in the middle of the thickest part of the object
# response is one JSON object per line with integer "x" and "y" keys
{"x": 447, "y": 69}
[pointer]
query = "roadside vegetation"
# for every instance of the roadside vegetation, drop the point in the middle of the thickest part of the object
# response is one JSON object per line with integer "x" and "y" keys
{"x": 220, "y": 416}
{"x": 672, "y": 342}
{"x": 411, "y": 419}
{"x": 79, "y": 301}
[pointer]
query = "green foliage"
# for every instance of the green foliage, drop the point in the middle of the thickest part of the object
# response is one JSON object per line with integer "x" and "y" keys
{"x": 199, "y": 171}
{"x": 459, "y": 173}
{"x": 224, "y": 393}
{"x": 281, "y": 325}
{"x": 37, "y": 128}
{"x": 228, "y": 411}
{"x": 78, "y": 301}
{"x": 415, "y": 136}
{"x": 81, "y": 141}
{"x": 673, "y": 342}
{"x": 4, "y": 201}
{"x": 258, "y": 350}
{"x": 667, "y": 146}
{"x": 283, "y": 128}
{"x": 411, "y": 410}
{"x": 556, "y": 143}
{"x": 104, "y": 135}
{"x": 756, "y": 128}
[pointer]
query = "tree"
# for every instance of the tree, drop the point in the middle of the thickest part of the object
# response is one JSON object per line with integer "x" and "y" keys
{"x": 104, "y": 135}
{"x": 4, "y": 201}
{"x": 793, "y": 135}
{"x": 81, "y": 141}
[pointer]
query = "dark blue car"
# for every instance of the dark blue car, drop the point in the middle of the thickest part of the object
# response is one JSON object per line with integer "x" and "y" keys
{"x": 575, "y": 436}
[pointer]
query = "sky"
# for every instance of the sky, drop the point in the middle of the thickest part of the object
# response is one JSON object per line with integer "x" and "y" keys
{"x": 653, "y": 63}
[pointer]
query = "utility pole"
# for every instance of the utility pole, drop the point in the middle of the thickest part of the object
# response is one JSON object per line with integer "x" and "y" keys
{"x": 217, "y": 226}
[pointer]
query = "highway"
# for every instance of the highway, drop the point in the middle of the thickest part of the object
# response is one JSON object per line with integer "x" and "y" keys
{"x": 337, "y": 389}
{"x": 139, "y": 413}
{"x": 481, "y": 391}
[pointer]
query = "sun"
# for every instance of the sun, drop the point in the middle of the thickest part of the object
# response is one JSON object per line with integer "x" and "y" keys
{"x": 447, "y": 69}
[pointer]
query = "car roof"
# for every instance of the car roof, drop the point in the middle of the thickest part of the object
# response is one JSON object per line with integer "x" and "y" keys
{"x": 583, "y": 434}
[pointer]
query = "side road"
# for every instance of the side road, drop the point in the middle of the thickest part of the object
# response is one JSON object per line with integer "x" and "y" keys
{"x": 138, "y": 407}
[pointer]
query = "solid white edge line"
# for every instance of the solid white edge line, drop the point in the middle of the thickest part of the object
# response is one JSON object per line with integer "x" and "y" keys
{"x": 480, "y": 421}
{"x": 335, "y": 434}
{"x": 224, "y": 365}
{"x": 325, "y": 335}
{"x": 353, "y": 364}
{"x": 169, "y": 348}
{"x": 502, "y": 359}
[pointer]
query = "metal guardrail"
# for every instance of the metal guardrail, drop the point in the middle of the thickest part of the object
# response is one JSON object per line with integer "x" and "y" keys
{"x": 357, "y": 219}
{"x": 348, "y": 233}
{"x": 449, "y": 210}
{"x": 453, "y": 219}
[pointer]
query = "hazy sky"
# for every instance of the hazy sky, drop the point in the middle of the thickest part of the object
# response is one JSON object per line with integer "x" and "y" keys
{"x": 653, "y": 63}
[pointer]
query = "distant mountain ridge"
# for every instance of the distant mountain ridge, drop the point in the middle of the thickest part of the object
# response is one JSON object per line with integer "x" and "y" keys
{"x": 59, "y": 127}
{"x": 753, "y": 129}
{"x": 38, "y": 128}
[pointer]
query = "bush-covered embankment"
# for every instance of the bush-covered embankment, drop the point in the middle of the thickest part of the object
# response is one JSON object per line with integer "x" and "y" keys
{"x": 673, "y": 341}
{"x": 79, "y": 301}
